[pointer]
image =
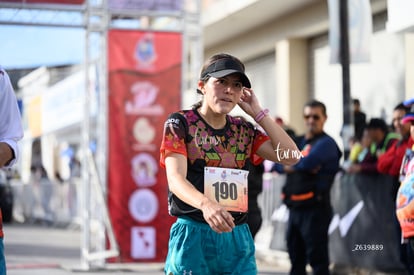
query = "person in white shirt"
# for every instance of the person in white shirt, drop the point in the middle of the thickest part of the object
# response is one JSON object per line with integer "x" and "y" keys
{"x": 11, "y": 132}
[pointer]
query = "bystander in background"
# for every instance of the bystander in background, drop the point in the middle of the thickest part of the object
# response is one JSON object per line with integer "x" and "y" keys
{"x": 307, "y": 193}
{"x": 405, "y": 200}
{"x": 378, "y": 134}
{"x": 389, "y": 163}
{"x": 11, "y": 132}
{"x": 360, "y": 119}
{"x": 362, "y": 158}
{"x": 359, "y": 122}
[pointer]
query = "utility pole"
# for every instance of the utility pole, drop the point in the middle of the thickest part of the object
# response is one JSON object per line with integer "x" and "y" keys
{"x": 348, "y": 127}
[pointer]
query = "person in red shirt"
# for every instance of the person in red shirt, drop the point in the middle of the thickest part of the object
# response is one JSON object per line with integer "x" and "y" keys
{"x": 390, "y": 162}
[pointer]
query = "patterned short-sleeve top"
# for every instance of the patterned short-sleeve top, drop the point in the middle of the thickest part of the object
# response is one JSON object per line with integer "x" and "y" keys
{"x": 233, "y": 146}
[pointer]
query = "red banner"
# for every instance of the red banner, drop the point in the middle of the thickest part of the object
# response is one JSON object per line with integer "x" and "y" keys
{"x": 144, "y": 87}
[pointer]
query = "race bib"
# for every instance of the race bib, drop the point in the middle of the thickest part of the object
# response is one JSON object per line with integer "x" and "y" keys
{"x": 227, "y": 186}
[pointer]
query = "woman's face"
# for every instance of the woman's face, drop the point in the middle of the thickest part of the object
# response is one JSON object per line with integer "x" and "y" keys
{"x": 366, "y": 138}
{"x": 411, "y": 129}
{"x": 400, "y": 128}
{"x": 221, "y": 95}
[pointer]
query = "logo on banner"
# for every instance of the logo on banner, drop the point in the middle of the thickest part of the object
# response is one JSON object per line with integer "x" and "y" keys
{"x": 144, "y": 133}
{"x": 144, "y": 99}
{"x": 223, "y": 175}
{"x": 143, "y": 205}
{"x": 145, "y": 52}
{"x": 143, "y": 242}
{"x": 281, "y": 214}
{"x": 144, "y": 170}
{"x": 347, "y": 220}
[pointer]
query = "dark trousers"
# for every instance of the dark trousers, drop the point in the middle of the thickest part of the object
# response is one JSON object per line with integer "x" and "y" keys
{"x": 405, "y": 253}
{"x": 408, "y": 255}
{"x": 254, "y": 220}
{"x": 307, "y": 239}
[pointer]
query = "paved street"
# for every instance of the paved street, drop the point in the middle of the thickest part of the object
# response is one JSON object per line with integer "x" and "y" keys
{"x": 39, "y": 249}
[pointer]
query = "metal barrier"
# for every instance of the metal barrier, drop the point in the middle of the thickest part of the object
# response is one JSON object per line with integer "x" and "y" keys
{"x": 60, "y": 204}
{"x": 270, "y": 235}
{"x": 50, "y": 202}
{"x": 269, "y": 199}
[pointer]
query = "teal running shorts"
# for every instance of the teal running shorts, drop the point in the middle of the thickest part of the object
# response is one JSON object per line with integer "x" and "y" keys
{"x": 2, "y": 259}
{"x": 195, "y": 249}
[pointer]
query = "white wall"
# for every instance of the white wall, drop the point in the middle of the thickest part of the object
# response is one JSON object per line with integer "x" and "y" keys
{"x": 379, "y": 84}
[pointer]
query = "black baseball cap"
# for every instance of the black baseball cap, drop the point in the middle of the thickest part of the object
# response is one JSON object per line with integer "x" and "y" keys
{"x": 224, "y": 67}
{"x": 377, "y": 123}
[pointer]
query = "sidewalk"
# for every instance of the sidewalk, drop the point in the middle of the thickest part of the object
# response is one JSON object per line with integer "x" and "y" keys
{"x": 36, "y": 249}
{"x": 39, "y": 249}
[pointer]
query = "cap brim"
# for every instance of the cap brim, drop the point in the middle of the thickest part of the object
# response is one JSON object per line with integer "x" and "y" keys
{"x": 223, "y": 73}
{"x": 408, "y": 102}
{"x": 407, "y": 118}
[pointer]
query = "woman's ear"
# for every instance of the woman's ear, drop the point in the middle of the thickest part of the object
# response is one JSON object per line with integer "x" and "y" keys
{"x": 201, "y": 86}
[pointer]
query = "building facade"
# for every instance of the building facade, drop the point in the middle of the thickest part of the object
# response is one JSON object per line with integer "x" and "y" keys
{"x": 285, "y": 46}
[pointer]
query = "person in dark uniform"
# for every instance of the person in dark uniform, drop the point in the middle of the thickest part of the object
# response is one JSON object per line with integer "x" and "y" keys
{"x": 307, "y": 194}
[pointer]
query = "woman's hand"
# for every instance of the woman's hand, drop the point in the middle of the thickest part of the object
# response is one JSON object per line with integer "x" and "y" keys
{"x": 217, "y": 217}
{"x": 249, "y": 102}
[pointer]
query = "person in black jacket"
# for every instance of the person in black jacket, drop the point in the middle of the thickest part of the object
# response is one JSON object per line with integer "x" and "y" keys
{"x": 360, "y": 119}
{"x": 307, "y": 194}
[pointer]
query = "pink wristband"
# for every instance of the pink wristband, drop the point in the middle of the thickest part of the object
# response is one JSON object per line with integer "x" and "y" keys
{"x": 260, "y": 115}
